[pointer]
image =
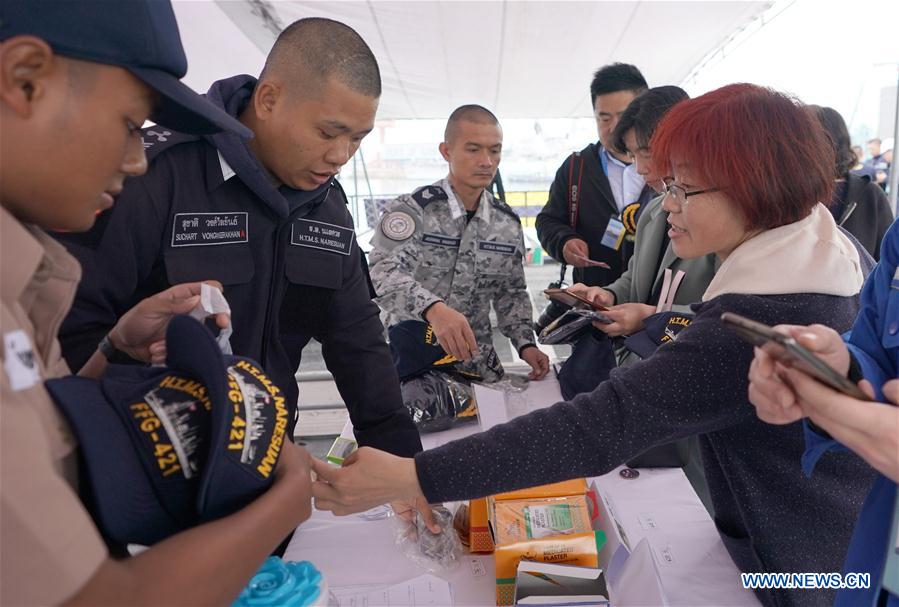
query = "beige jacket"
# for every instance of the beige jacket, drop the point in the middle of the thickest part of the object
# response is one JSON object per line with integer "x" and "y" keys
{"x": 49, "y": 547}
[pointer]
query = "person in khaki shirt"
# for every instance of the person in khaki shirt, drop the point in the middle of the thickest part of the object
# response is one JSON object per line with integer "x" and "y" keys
{"x": 71, "y": 105}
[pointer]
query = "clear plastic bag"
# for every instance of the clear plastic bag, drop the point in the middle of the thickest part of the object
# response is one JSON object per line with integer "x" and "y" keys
{"x": 436, "y": 552}
{"x": 511, "y": 382}
{"x": 437, "y": 401}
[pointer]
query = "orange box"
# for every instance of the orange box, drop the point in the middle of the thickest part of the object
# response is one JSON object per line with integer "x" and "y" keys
{"x": 479, "y": 537}
{"x": 577, "y": 486}
{"x": 547, "y": 529}
{"x": 513, "y": 521}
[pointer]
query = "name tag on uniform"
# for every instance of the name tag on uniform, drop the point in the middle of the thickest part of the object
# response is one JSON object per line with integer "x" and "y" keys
{"x": 497, "y": 247}
{"x": 320, "y": 235}
{"x": 205, "y": 229}
{"x": 441, "y": 241}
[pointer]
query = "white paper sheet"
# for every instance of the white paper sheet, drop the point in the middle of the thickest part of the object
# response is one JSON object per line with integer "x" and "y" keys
{"x": 422, "y": 591}
{"x": 690, "y": 562}
{"x": 638, "y": 582}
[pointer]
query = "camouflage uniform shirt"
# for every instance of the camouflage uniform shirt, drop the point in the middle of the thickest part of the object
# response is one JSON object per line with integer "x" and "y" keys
{"x": 426, "y": 250}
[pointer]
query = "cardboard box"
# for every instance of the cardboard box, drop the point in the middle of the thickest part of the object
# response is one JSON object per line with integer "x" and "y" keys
{"x": 549, "y": 529}
{"x": 552, "y": 522}
{"x": 581, "y": 549}
{"x": 577, "y": 486}
{"x": 554, "y": 584}
{"x": 515, "y": 521}
{"x": 479, "y": 537}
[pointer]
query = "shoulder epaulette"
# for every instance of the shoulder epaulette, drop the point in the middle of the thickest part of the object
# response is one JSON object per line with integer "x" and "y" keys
{"x": 158, "y": 139}
{"x": 505, "y": 208}
{"x": 428, "y": 194}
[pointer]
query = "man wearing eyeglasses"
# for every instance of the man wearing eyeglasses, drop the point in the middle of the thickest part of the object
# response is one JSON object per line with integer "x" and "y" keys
{"x": 596, "y": 197}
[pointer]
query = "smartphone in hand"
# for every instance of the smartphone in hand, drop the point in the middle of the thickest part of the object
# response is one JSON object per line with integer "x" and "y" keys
{"x": 573, "y": 300}
{"x": 788, "y": 352}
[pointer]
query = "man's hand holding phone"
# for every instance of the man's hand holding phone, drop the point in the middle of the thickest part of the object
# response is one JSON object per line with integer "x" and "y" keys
{"x": 770, "y": 390}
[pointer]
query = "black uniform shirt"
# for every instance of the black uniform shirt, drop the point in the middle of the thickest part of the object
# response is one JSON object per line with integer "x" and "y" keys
{"x": 290, "y": 272}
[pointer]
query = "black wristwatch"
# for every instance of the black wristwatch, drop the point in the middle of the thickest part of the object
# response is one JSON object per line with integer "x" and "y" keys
{"x": 107, "y": 349}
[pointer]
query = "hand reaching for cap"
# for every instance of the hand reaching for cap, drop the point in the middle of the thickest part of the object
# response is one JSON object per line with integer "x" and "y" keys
{"x": 140, "y": 333}
{"x": 368, "y": 478}
{"x": 453, "y": 332}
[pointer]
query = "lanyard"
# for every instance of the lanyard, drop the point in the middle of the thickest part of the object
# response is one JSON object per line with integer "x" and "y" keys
{"x": 669, "y": 289}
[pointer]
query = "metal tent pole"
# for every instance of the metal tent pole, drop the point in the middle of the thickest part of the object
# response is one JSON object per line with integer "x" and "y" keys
{"x": 893, "y": 183}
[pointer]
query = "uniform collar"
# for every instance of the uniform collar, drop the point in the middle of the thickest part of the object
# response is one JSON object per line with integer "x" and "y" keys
{"x": 30, "y": 247}
{"x": 457, "y": 209}
{"x": 227, "y": 171}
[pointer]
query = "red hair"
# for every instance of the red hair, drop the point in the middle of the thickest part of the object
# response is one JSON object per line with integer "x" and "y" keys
{"x": 758, "y": 146}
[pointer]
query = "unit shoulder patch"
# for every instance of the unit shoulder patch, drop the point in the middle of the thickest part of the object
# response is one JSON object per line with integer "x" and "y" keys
{"x": 397, "y": 225}
{"x": 428, "y": 194}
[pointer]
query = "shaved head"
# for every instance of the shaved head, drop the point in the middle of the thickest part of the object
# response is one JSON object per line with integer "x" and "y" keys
{"x": 468, "y": 113}
{"x": 310, "y": 51}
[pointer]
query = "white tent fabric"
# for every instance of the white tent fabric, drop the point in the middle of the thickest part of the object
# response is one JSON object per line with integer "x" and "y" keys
{"x": 521, "y": 59}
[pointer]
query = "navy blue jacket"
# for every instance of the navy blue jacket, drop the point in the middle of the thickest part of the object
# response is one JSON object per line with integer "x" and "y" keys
{"x": 288, "y": 260}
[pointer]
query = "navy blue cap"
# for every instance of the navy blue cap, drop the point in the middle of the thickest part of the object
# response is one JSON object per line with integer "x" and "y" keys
{"x": 138, "y": 35}
{"x": 167, "y": 448}
{"x": 658, "y": 329}
{"x": 415, "y": 349}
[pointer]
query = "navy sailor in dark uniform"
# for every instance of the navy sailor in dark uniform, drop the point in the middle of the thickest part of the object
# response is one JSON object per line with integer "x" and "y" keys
{"x": 267, "y": 220}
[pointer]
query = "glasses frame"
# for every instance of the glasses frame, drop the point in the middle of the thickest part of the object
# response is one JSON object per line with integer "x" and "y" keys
{"x": 672, "y": 189}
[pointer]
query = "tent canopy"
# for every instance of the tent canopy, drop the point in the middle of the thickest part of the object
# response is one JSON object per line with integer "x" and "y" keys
{"x": 521, "y": 59}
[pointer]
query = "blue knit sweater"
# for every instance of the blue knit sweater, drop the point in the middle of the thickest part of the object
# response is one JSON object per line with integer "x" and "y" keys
{"x": 770, "y": 516}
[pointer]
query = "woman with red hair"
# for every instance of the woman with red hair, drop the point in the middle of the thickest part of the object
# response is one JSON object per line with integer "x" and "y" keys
{"x": 749, "y": 168}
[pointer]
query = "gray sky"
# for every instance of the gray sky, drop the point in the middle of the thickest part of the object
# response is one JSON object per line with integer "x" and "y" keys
{"x": 840, "y": 54}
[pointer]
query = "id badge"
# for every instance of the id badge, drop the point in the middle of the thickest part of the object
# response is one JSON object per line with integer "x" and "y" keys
{"x": 614, "y": 234}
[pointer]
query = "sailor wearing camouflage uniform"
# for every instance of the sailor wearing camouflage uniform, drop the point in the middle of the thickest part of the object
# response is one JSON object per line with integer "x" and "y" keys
{"x": 447, "y": 251}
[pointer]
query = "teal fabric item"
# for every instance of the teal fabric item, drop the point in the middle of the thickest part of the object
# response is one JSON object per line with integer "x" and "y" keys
{"x": 287, "y": 584}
